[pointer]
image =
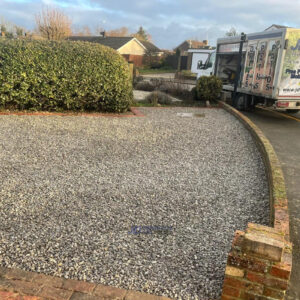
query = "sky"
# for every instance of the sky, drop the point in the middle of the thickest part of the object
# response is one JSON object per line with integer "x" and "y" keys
{"x": 169, "y": 22}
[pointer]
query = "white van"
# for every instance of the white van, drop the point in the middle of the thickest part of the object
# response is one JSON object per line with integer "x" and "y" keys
{"x": 202, "y": 61}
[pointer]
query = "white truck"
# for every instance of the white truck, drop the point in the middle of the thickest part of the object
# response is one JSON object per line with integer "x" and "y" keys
{"x": 260, "y": 67}
{"x": 203, "y": 61}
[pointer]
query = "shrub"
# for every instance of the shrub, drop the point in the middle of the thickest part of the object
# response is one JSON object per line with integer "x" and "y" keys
{"x": 56, "y": 76}
{"x": 145, "y": 86}
{"x": 179, "y": 90}
{"x": 194, "y": 93}
{"x": 136, "y": 80}
{"x": 159, "y": 98}
{"x": 208, "y": 88}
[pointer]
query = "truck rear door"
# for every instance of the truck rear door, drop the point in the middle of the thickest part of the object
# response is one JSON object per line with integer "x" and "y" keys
{"x": 289, "y": 84}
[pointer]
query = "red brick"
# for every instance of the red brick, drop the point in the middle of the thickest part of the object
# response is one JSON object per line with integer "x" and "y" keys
{"x": 250, "y": 263}
{"x": 281, "y": 220}
{"x": 79, "y": 286}
{"x": 276, "y": 283}
{"x": 271, "y": 231}
{"x": 17, "y": 274}
{"x": 234, "y": 282}
{"x": 253, "y": 277}
{"x": 281, "y": 203}
{"x": 251, "y": 296}
{"x": 132, "y": 295}
{"x": 268, "y": 281}
{"x": 25, "y": 287}
{"x": 46, "y": 280}
{"x": 281, "y": 271}
{"x": 3, "y": 271}
{"x": 224, "y": 297}
{"x": 243, "y": 285}
{"x": 238, "y": 239}
{"x": 4, "y": 284}
{"x": 275, "y": 294}
{"x": 55, "y": 294}
{"x": 107, "y": 292}
{"x": 82, "y": 296}
{"x": 16, "y": 297}
{"x": 230, "y": 291}
{"x": 5, "y": 294}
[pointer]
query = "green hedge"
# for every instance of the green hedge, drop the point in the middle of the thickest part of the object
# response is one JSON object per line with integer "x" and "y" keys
{"x": 208, "y": 88}
{"x": 57, "y": 76}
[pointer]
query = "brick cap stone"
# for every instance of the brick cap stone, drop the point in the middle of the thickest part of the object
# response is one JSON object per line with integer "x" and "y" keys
{"x": 264, "y": 246}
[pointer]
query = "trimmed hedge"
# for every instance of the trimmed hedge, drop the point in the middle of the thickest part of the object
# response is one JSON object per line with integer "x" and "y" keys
{"x": 57, "y": 76}
{"x": 208, "y": 88}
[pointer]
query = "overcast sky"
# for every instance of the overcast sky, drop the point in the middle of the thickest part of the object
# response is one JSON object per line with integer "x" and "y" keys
{"x": 168, "y": 21}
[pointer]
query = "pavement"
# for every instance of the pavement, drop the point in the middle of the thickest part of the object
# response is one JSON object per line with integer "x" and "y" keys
{"x": 283, "y": 131}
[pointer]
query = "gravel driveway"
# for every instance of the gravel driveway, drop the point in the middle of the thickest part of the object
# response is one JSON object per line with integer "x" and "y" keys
{"x": 72, "y": 188}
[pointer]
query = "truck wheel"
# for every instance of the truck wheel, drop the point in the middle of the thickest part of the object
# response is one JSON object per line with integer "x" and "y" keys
{"x": 241, "y": 102}
{"x": 292, "y": 111}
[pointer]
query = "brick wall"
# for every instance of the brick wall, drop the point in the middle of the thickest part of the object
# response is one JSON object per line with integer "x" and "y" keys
{"x": 260, "y": 260}
{"x": 136, "y": 59}
{"x": 258, "y": 266}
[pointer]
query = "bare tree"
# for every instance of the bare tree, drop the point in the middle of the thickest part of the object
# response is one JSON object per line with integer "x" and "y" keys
{"x": 84, "y": 31}
{"x": 142, "y": 35}
{"x": 123, "y": 31}
{"x": 53, "y": 24}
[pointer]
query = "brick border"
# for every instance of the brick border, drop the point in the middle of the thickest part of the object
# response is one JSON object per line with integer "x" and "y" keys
{"x": 23, "y": 285}
{"x": 277, "y": 190}
{"x": 135, "y": 113}
{"x": 260, "y": 260}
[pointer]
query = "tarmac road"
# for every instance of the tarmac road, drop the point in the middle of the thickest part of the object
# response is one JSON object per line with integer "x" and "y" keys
{"x": 283, "y": 131}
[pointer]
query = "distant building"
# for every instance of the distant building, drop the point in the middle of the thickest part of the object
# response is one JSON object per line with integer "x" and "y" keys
{"x": 184, "y": 59}
{"x": 191, "y": 44}
{"x": 130, "y": 48}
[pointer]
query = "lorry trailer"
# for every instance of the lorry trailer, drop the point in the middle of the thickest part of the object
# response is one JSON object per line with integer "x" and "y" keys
{"x": 261, "y": 67}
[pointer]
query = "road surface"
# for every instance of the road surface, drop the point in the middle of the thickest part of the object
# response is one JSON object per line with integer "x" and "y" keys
{"x": 283, "y": 131}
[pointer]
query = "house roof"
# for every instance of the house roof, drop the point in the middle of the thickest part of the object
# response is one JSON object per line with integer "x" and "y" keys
{"x": 194, "y": 44}
{"x": 110, "y": 41}
{"x": 275, "y": 26}
{"x": 149, "y": 46}
{"x": 114, "y": 41}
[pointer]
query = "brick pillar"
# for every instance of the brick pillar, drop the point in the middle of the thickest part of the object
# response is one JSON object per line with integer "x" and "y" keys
{"x": 259, "y": 265}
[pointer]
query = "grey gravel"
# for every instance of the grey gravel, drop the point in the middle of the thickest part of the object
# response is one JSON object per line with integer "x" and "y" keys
{"x": 72, "y": 187}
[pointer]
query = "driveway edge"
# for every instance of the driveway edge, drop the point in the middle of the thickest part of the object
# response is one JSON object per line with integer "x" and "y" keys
{"x": 260, "y": 260}
{"x": 24, "y": 285}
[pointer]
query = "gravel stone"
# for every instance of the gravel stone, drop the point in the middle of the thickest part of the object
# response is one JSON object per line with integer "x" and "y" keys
{"x": 72, "y": 187}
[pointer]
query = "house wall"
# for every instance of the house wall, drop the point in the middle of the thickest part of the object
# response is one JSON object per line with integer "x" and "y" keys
{"x": 133, "y": 48}
{"x": 137, "y": 60}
